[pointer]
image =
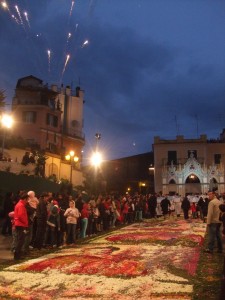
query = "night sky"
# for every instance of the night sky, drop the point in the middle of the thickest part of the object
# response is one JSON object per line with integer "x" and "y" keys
{"x": 149, "y": 68}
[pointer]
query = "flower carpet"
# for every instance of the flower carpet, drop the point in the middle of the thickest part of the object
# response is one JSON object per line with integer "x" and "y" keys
{"x": 150, "y": 260}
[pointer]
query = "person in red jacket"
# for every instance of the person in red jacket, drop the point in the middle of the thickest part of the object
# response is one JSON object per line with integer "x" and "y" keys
{"x": 194, "y": 210}
{"x": 84, "y": 219}
{"x": 21, "y": 223}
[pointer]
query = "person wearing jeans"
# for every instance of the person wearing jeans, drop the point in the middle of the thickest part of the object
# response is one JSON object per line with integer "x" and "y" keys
{"x": 214, "y": 234}
{"x": 213, "y": 223}
{"x": 84, "y": 219}
{"x": 21, "y": 224}
{"x": 71, "y": 214}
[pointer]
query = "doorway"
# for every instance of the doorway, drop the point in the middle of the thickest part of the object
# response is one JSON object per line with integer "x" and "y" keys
{"x": 193, "y": 185}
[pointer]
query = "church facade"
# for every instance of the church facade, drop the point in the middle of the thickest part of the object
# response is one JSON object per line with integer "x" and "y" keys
{"x": 189, "y": 166}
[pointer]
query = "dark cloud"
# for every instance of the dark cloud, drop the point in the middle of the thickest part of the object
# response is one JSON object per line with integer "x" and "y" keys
{"x": 149, "y": 69}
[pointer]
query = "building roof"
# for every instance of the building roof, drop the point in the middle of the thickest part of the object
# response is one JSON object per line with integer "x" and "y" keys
{"x": 19, "y": 82}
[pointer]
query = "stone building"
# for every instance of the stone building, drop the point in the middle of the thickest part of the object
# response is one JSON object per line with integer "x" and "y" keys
{"x": 50, "y": 119}
{"x": 189, "y": 166}
{"x": 133, "y": 174}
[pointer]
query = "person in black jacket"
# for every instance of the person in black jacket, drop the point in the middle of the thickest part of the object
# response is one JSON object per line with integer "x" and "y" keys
{"x": 9, "y": 205}
{"x": 203, "y": 207}
{"x": 222, "y": 216}
{"x": 152, "y": 204}
{"x": 185, "y": 206}
{"x": 63, "y": 203}
{"x": 165, "y": 205}
{"x": 41, "y": 215}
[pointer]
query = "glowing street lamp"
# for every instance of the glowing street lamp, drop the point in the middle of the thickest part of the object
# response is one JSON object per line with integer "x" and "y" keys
{"x": 98, "y": 137}
{"x": 96, "y": 159}
{"x": 151, "y": 177}
{"x": 6, "y": 122}
{"x": 72, "y": 158}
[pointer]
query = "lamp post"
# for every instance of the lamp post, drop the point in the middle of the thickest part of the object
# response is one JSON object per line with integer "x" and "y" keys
{"x": 98, "y": 137}
{"x": 152, "y": 177}
{"x": 96, "y": 158}
{"x": 96, "y": 161}
{"x": 6, "y": 122}
{"x": 72, "y": 158}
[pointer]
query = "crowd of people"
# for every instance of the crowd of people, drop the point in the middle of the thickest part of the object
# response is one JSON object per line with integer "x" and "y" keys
{"x": 57, "y": 220}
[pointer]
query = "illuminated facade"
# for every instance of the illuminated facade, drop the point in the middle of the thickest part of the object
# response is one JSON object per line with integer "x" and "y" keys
{"x": 50, "y": 119}
{"x": 190, "y": 166}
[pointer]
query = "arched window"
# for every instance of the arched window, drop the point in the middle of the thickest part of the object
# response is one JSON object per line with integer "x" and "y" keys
{"x": 192, "y": 178}
{"x": 213, "y": 185}
{"x": 172, "y": 181}
{"x": 53, "y": 170}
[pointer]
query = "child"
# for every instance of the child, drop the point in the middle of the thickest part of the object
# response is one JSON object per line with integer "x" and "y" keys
{"x": 194, "y": 210}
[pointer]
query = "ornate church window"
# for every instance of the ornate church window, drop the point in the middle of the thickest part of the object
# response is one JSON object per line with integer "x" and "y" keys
{"x": 172, "y": 157}
{"x": 192, "y": 154}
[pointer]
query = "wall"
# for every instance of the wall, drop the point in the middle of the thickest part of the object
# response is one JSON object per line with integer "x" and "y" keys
{"x": 54, "y": 165}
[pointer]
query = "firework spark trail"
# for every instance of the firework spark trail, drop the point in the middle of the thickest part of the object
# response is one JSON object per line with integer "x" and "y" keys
{"x": 92, "y": 4}
{"x": 27, "y": 19}
{"x": 15, "y": 19}
{"x": 49, "y": 60}
{"x": 85, "y": 43}
{"x": 6, "y": 6}
{"x": 68, "y": 37}
{"x": 71, "y": 9}
{"x": 66, "y": 62}
{"x": 69, "y": 34}
{"x": 19, "y": 14}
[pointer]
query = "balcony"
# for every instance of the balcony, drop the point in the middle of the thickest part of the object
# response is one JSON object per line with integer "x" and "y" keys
{"x": 73, "y": 133}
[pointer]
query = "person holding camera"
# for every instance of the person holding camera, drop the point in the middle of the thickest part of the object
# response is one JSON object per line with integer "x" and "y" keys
{"x": 71, "y": 214}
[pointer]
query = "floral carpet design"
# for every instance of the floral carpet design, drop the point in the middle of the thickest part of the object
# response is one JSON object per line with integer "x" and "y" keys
{"x": 174, "y": 233}
{"x": 141, "y": 261}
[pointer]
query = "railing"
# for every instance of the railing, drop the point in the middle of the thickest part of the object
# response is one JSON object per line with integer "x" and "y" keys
{"x": 75, "y": 133}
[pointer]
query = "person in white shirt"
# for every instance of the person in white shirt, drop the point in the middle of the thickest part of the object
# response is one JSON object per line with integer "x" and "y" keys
{"x": 71, "y": 214}
{"x": 213, "y": 223}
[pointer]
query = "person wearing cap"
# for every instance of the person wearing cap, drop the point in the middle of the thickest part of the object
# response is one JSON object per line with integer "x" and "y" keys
{"x": 213, "y": 223}
{"x": 21, "y": 224}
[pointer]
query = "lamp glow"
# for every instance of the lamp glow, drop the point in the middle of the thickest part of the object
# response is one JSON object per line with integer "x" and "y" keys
{"x": 73, "y": 160}
{"x": 7, "y": 121}
{"x": 96, "y": 159}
